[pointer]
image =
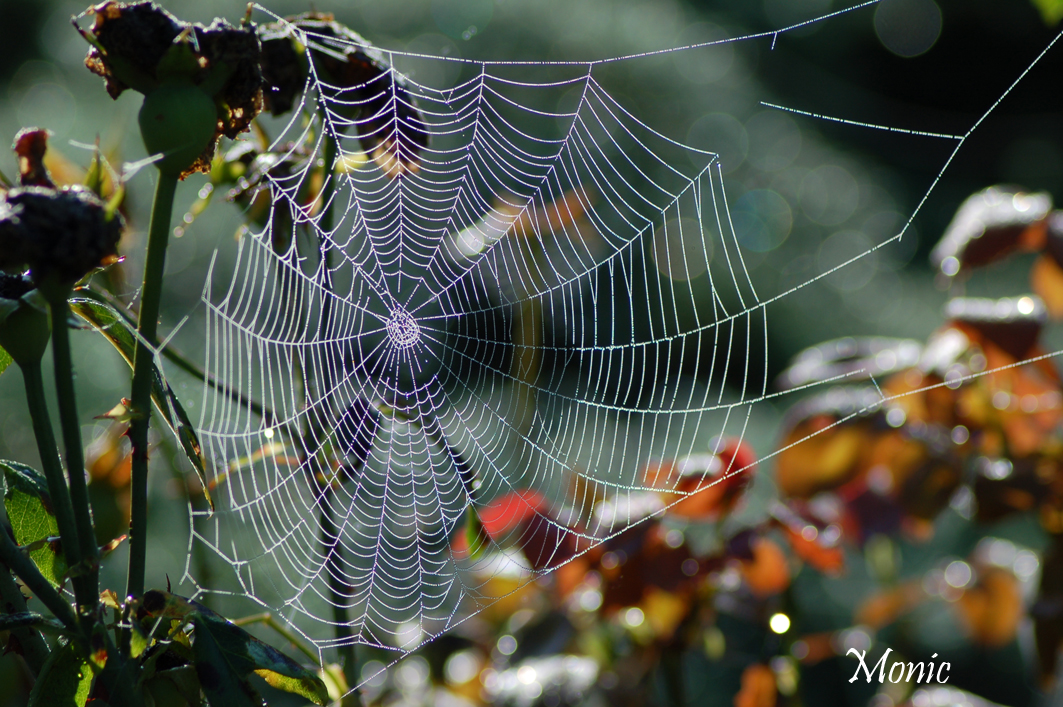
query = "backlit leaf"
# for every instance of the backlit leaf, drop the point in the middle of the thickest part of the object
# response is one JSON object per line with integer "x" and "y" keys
{"x": 29, "y": 508}
{"x": 1051, "y": 10}
{"x": 65, "y": 679}
{"x": 120, "y": 331}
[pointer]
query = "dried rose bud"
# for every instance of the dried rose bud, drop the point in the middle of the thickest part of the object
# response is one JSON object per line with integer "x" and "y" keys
{"x": 386, "y": 120}
{"x": 200, "y": 83}
{"x": 29, "y": 146}
{"x": 59, "y": 234}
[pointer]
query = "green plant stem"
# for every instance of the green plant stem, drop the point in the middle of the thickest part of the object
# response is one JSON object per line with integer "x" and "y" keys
{"x": 53, "y": 472}
{"x": 88, "y": 594}
{"x": 147, "y": 328}
{"x": 34, "y": 649}
{"x": 24, "y": 569}
{"x": 268, "y": 619}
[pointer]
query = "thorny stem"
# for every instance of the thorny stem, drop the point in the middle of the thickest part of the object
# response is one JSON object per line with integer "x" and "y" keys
{"x": 53, "y": 472}
{"x": 143, "y": 357}
{"x": 87, "y": 588}
{"x": 34, "y": 649}
{"x": 114, "y": 676}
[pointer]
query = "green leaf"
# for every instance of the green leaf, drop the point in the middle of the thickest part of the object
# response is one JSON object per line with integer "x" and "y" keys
{"x": 176, "y": 687}
{"x": 226, "y": 654}
{"x": 29, "y": 508}
{"x": 65, "y": 679}
{"x": 476, "y": 537}
{"x": 5, "y": 360}
{"x": 1051, "y": 10}
{"x": 219, "y": 678}
{"x": 120, "y": 331}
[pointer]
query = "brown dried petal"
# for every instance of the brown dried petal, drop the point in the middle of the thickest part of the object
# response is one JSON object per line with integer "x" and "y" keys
{"x": 990, "y": 225}
{"x": 283, "y": 68}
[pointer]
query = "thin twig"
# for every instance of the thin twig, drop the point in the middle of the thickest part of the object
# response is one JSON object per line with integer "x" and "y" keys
{"x": 267, "y": 619}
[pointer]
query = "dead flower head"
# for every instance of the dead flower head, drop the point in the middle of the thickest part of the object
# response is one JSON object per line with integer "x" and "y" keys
{"x": 142, "y": 46}
{"x": 386, "y": 120}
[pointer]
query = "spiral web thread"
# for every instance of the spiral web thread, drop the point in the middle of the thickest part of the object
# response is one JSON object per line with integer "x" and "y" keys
{"x": 518, "y": 309}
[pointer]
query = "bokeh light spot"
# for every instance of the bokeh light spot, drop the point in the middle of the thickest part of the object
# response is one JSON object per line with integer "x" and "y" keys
{"x": 762, "y": 220}
{"x": 908, "y": 28}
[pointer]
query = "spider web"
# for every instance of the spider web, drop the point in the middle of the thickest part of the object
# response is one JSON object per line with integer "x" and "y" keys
{"x": 555, "y": 299}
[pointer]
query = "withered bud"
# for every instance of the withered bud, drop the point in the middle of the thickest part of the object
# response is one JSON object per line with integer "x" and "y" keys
{"x": 29, "y": 146}
{"x": 141, "y": 46}
{"x": 57, "y": 233}
{"x": 134, "y": 37}
{"x": 386, "y": 120}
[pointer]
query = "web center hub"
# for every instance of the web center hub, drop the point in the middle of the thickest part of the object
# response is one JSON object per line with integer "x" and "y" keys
{"x": 403, "y": 330}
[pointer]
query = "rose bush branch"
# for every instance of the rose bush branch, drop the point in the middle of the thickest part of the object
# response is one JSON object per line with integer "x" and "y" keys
{"x": 203, "y": 83}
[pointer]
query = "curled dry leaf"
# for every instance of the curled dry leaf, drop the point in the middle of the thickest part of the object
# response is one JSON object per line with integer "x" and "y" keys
{"x": 990, "y": 225}
{"x": 758, "y": 687}
{"x": 768, "y": 572}
{"x": 366, "y": 89}
{"x": 992, "y": 609}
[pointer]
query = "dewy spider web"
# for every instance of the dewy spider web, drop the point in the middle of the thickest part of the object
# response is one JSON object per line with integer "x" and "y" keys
{"x": 518, "y": 312}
